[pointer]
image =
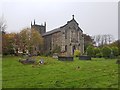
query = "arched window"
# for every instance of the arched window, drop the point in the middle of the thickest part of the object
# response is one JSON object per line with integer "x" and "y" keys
{"x": 65, "y": 34}
{"x": 65, "y": 48}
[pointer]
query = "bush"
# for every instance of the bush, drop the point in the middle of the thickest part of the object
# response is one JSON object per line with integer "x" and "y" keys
{"x": 115, "y": 51}
{"x": 77, "y": 53}
{"x": 90, "y": 51}
{"x": 106, "y": 51}
{"x": 97, "y": 52}
{"x": 99, "y": 55}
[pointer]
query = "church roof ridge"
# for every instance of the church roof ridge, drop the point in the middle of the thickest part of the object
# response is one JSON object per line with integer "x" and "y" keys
{"x": 52, "y": 31}
{"x": 59, "y": 29}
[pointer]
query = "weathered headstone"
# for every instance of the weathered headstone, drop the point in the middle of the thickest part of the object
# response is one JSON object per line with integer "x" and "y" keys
{"x": 55, "y": 55}
{"x": 65, "y": 58}
{"x": 84, "y": 57}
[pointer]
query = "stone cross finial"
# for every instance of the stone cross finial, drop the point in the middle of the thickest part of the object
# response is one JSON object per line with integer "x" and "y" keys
{"x": 31, "y": 23}
{"x": 73, "y": 16}
{"x": 34, "y": 21}
{"x": 44, "y": 23}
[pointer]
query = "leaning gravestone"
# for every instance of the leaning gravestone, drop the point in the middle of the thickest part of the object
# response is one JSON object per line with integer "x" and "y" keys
{"x": 85, "y": 57}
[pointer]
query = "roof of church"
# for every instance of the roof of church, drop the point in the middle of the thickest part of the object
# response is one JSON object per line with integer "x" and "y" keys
{"x": 59, "y": 29}
{"x": 52, "y": 31}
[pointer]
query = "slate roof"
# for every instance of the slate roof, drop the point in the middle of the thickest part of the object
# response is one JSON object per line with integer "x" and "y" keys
{"x": 58, "y": 29}
{"x": 52, "y": 31}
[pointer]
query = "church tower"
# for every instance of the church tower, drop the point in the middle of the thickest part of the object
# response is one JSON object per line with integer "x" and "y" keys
{"x": 40, "y": 28}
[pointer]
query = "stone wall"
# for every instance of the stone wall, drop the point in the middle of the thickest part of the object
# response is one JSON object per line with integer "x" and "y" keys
{"x": 47, "y": 43}
{"x": 56, "y": 40}
{"x": 69, "y": 37}
{"x": 74, "y": 39}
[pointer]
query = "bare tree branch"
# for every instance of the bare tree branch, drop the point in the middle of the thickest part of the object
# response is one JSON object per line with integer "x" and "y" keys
{"x": 3, "y": 24}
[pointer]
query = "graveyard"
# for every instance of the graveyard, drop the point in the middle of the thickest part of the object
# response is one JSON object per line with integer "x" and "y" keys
{"x": 94, "y": 73}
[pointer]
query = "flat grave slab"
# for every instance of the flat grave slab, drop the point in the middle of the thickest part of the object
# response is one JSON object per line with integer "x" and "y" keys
{"x": 84, "y": 57}
{"x": 65, "y": 58}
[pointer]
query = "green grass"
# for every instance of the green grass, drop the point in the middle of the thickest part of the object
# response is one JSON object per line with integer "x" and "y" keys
{"x": 97, "y": 73}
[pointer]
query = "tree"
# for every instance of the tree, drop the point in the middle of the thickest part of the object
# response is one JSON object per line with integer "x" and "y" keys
{"x": 3, "y": 25}
{"x": 110, "y": 38}
{"x": 2, "y": 31}
{"x": 106, "y": 51}
{"x": 115, "y": 44}
{"x": 29, "y": 41}
{"x": 115, "y": 51}
{"x": 104, "y": 39}
{"x": 87, "y": 41}
{"x": 36, "y": 41}
{"x": 96, "y": 51}
{"x": 96, "y": 39}
{"x": 90, "y": 50}
{"x": 8, "y": 43}
{"x": 22, "y": 40}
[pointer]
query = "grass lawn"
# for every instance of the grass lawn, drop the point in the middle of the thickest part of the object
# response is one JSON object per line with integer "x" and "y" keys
{"x": 97, "y": 73}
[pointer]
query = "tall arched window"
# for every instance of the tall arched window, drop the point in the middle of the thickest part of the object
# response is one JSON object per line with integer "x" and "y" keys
{"x": 65, "y": 34}
{"x": 66, "y": 48}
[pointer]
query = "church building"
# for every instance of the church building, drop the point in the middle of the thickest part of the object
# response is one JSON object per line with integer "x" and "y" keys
{"x": 68, "y": 37}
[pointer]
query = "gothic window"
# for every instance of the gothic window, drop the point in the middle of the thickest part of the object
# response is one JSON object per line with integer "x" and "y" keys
{"x": 66, "y": 48}
{"x": 50, "y": 45}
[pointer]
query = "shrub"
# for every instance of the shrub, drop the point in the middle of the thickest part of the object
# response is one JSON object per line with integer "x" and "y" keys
{"x": 77, "y": 53}
{"x": 97, "y": 52}
{"x": 99, "y": 55}
{"x": 90, "y": 50}
{"x": 115, "y": 51}
{"x": 106, "y": 51}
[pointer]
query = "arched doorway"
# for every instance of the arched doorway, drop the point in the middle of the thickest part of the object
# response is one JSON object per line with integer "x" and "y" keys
{"x": 73, "y": 49}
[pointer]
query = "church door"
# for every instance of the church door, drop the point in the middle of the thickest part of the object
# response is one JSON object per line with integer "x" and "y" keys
{"x": 73, "y": 49}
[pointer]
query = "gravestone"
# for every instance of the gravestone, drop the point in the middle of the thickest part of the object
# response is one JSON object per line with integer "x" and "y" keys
{"x": 65, "y": 58}
{"x": 27, "y": 61}
{"x": 55, "y": 55}
{"x": 84, "y": 57}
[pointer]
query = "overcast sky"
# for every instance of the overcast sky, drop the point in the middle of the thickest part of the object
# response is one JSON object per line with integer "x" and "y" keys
{"x": 94, "y": 17}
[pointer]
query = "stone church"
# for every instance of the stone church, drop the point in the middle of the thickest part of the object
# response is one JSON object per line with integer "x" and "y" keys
{"x": 68, "y": 37}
